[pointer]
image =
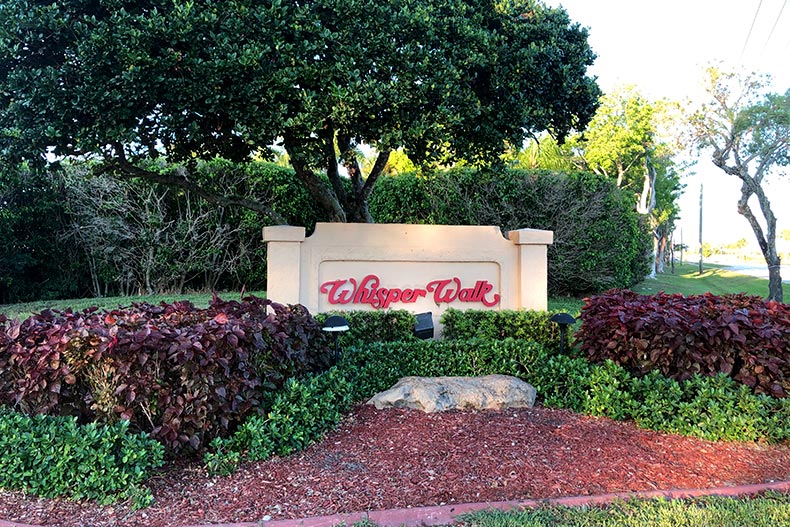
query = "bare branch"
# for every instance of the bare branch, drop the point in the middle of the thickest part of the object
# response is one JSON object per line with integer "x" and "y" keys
{"x": 127, "y": 169}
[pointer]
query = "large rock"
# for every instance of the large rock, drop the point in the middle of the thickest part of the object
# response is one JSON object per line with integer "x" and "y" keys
{"x": 437, "y": 394}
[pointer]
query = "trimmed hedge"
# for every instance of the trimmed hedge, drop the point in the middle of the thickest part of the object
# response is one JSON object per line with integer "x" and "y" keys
{"x": 366, "y": 327}
{"x": 306, "y": 409}
{"x": 54, "y": 456}
{"x": 600, "y": 242}
{"x": 744, "y": 337}
{"x": 713, "y": 408}
{"x": 498, "y": 325}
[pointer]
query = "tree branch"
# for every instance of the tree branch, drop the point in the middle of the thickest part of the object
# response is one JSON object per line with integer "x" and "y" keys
{"x": 746, "y": 211}
{"x": 120, "y": 164}
{"x": 317, "y": 189}
{"x": 330, "y": 158}
{"x": 375, "y": 172}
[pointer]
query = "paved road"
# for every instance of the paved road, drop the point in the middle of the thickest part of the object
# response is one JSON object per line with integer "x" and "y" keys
{"x": 760, "y": 271}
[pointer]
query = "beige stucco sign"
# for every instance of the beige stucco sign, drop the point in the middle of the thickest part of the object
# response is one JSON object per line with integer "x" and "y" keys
{"x": 421, "y": 268}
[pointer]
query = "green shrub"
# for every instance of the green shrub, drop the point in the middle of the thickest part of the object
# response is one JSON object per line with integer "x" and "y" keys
{"x": 299, "y": 415}
{"x": 221, "y": 458}
{"x": 498, "y": 325}
{"x": 608, "y": 392}
{"x": 366, "y": 327}
{"x": 600, "y": 242}
{"x": 712, "y": 408}
{"x": 660, "y": 398}
{"x": 561, "y": 381}
{"x": 378, "y": 366}
{"x": 54, "y": 456}
{"x": 778, "y": 419}
{"x": 717, "y": 408}
{"x": 305, "y": 409}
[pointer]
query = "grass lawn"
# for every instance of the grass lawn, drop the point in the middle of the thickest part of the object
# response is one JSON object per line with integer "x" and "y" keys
{"x": 685, "y": 280}
{"x": 199, "y": 299}
{"x": 714, "y": 279}
{"x": 770, "y": 510}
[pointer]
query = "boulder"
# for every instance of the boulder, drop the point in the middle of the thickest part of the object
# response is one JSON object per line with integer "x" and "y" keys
{"x": 438, "y": 394}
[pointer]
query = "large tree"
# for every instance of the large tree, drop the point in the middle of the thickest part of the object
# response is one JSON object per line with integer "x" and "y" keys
{"x": 621, "y": 136}
{"x": 747, "y": 131}
{"x": 626, "y": 142}
{"x": 444, "y": 79}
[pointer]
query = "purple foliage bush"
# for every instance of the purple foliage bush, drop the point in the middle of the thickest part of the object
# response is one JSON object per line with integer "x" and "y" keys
{"x": 185, "y": 375}
{"x": 745, "y": 337}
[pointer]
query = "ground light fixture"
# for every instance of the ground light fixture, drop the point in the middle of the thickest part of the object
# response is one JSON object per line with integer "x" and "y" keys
{"x": 423, "y": 326}
{"x": 336, "y": 325}
{"x": 563, "y": 320}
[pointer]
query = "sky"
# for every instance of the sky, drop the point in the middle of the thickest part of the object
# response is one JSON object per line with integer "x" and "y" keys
{"x": 662, "y": 47}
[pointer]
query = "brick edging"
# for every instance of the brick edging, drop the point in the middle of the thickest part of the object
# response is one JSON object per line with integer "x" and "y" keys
{"x": 446, "y": 514}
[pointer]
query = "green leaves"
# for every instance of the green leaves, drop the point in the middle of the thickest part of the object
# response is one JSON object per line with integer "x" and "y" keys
{"x": 374, "y": 326}
{"x": 499, "y": 325}
{"x": 445, "y": 80}
{"x": 599, "y": 241}
{"x": 54, "y": 456}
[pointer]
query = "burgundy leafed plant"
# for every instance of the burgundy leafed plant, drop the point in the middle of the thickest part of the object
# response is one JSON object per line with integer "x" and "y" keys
{"x": 745, "y": 337}
{"x": 183, "y": 374}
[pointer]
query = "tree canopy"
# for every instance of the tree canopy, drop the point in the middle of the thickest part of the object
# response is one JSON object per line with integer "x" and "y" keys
{"x": 444, "y": 79}
{"x": 620, "y": 136}
{"x": 627, "y": 141}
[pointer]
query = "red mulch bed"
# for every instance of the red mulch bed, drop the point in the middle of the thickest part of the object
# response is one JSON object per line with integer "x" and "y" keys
{"x": 381, "y": 459}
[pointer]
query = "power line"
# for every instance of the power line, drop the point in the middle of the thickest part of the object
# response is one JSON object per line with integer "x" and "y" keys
{"x": 749, "y": 35}
{"x": 771, "y": 33}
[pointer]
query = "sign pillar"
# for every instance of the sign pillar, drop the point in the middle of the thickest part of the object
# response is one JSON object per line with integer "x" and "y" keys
{"x": 284, "y": 262}
{"x": 533, "y": 269}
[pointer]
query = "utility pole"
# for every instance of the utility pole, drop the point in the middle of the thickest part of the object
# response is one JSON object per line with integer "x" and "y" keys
{"x": 700, "y": 228}
{"x": 682, "y": 247}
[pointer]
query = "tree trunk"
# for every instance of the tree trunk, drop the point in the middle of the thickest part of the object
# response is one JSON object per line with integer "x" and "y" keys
{"x": 652, "y": 274}
{"x": 661, "y": 253}
{"x": 647, "y": 202}
{"x": 324, "y": 195}
{"x": 647, "y": 198}
{"x": 766, "y": 240}
{"x": 775, "y": 281}
{"x": 357, "y": 206}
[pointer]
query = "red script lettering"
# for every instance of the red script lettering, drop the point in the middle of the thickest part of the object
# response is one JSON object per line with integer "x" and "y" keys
{"x": 369, "y": 291}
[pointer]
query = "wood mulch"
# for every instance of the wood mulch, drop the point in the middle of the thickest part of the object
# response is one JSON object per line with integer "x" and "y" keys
{"x": 382, "y": 459}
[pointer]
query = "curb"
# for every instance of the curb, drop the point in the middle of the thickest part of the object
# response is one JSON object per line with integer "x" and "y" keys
{"x": 447, "y": 514}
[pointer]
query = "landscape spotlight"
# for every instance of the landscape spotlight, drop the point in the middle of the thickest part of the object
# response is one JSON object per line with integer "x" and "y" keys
{"x": 563, "y": 320}
{"x": 335, "y": 325}
{"x": 423, "y": 327}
